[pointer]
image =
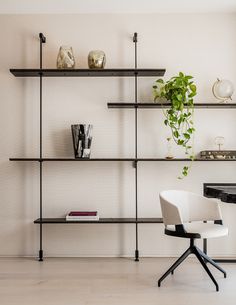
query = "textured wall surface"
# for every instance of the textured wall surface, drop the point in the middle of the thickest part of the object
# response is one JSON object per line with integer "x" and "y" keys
{"x": 202, "y": 45}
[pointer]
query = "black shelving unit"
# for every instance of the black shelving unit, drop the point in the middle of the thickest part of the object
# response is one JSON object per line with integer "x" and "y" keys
{"x": 135, "y": 73}
{"x": 42, "y": 73}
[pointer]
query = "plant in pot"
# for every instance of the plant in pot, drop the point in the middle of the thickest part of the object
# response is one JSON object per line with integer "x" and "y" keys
{"x": 179, "y": 91}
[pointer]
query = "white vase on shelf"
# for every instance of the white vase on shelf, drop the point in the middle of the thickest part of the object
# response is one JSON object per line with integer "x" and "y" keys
{"x": 169, "y": 154}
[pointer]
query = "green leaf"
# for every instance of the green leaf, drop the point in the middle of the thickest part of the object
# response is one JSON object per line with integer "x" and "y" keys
{"x": 160, "y": 80}
{"x": 176, "y": 134}
{"x": 179, "y": 97}
{"x": 190, "y": 130}
{"x": 186, "y": 135}
{"x": 192, "y": 94}
{"x": 174, "y": 119}
{"x": 193, "y": 87}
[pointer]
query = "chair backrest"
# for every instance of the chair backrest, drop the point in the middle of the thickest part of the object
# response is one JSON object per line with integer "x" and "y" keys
{"x": 179, "y": 207}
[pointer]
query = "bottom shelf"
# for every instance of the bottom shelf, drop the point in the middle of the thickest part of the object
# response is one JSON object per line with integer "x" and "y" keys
{"x": 100, "y": 221}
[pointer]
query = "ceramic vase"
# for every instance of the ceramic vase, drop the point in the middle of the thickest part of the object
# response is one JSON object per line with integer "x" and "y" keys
{"x": 65, "y": 58}
{"x": 96, "y": 59}
{"x": 82, "y": 139}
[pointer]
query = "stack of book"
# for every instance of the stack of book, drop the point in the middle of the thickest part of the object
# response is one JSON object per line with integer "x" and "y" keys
{"x": 82, "y": 216}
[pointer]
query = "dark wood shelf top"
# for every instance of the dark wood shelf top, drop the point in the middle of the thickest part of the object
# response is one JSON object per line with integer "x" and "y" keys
{"x": 72, "y": 159}
{"x": 87, "y": 72}
{"x": 116, "y": 159}
{"x": 183, "y": 159}
{"x": 100, "y": 221}
{"x": 167, "y": 105}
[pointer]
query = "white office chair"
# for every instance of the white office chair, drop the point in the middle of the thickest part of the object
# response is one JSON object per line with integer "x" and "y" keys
{"x": 183, "y": 215}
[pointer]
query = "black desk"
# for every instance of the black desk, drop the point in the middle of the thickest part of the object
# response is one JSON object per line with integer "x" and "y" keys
{"x": 226, "y": 192}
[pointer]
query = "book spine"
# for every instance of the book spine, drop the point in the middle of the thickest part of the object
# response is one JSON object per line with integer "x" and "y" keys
{"x": 82, "y": 217}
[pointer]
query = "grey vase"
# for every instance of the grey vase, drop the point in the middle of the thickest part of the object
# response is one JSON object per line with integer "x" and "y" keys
{"x": 82, "y": 140}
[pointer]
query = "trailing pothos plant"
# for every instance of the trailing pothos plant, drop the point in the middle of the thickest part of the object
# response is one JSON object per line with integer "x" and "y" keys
{"x": 179, "y": 91}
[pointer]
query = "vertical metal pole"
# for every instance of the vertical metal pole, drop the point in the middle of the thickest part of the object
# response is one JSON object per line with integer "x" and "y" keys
{"x": 135, "y": 40}
{"x": 42, "y": 40}
{"x": 204, "y": 240}
{"x": 205, "y": 244}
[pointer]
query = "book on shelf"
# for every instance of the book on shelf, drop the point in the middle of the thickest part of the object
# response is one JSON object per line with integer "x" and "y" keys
{"x": 82, "y": 216}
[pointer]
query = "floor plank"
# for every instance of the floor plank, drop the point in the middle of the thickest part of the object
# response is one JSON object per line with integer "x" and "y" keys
{"x": 110, "y": 281}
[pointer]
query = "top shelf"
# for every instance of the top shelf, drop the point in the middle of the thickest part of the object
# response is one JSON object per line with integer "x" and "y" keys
{"x": 87, "y": 72}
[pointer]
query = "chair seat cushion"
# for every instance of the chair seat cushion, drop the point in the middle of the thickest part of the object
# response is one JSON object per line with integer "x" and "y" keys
{"x": 205, "y": 230}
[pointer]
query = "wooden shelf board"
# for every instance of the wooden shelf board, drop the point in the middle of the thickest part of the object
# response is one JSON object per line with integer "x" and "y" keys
{"x": 117, "y": 160}
{"x": 167, "y": 105}
{"x": 72, "y": 159}
{"x": 87, "y": 72}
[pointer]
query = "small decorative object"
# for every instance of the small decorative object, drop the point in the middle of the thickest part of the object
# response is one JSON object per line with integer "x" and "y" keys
{"x": 82, "y": 139}
{"x": 219, "y": 141}
{"x": 65, "y": 58}
{"x": 169, "y": 149}
{"x": 223, "y": 90}
{"x": 218, "y": 154}
{"x": 179, "y": 92}
{"x": 96, "y": 59}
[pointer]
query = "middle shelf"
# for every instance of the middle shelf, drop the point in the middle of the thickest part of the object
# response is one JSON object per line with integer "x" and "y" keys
{"x": 117, "y": 159}
{"x": 167, "y": 105}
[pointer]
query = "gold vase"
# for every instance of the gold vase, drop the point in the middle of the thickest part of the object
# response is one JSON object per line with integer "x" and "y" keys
{"x": 65, "y": 58}
{"x": 96, "y": 59}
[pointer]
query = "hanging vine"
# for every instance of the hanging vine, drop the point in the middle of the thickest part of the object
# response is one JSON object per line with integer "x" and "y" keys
{"x": 179, "y": 91}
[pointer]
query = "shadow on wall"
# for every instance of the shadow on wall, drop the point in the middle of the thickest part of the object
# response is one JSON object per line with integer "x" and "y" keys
{"x": 62, "y": 145}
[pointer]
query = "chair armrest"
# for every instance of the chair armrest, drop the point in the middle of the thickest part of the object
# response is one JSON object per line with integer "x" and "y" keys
{"x": 208, "y": 209}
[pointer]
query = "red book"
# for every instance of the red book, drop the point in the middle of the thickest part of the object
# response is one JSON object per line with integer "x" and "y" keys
{"x": 83, "y": 213}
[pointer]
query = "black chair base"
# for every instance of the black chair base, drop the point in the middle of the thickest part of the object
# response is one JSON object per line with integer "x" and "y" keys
{"x": 202, "y": 257}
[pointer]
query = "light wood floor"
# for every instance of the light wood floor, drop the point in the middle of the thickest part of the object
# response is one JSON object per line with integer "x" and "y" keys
{"x": 110, "y": 281}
